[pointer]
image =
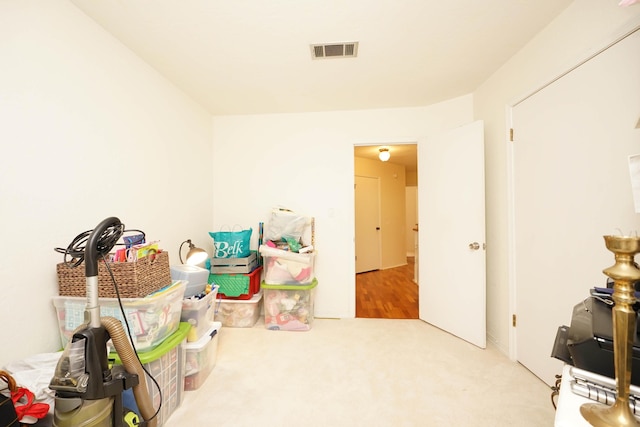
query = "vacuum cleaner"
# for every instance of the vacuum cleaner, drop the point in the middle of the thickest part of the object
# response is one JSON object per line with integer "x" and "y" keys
{"x": 88, "y": 392}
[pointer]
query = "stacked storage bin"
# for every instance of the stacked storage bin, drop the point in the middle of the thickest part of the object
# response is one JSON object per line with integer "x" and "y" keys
{"x": 199, "y": 299}
{"x": 152, "y": 319}
{"x": 239, "y": 296}
{"x": 158, "y": 335}
{"x": 289, "y": 289}
{"x": 166, "y": 363}
{"x": 201, "y": 358}
{"x": 198, "y": 310}
{"x": 289, "y": 286}
{"x": 148, "y": 301}
{"x": 196, "y": 278}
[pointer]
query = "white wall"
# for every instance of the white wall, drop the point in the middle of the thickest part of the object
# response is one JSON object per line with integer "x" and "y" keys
{"x": 584, "y": 27}
{"x": 306, "y": 163}
{"x": 87, "y": 131}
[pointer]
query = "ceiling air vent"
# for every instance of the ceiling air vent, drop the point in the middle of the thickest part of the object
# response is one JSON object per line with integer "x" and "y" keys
{"x": 334, "y": 50}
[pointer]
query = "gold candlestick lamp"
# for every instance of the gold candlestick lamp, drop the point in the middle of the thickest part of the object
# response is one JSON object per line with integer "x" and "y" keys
{"x": 624, "y": 273}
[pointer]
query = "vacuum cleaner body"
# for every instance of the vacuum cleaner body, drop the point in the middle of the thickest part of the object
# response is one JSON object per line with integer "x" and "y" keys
{"x": 88, "y": 390}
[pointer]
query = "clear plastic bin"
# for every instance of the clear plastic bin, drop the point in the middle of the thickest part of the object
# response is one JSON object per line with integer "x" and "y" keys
{"x": 287, "y": 268}
{"x": 289, "y": 307}
{"x": 199, "y": 313}
{"x": 166, "y": 363}
{"x": 196, "y": 277}
{"x": 239, "y": 313}
{"x": 201, "y": 357}
{"x": 151, "y": 319}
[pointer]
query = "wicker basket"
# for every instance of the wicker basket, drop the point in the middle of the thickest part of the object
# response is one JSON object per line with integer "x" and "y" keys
{"x": 135, "y": 279}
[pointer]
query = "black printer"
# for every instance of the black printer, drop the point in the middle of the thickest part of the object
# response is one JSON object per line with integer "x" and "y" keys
{"x": 588, "y": 343}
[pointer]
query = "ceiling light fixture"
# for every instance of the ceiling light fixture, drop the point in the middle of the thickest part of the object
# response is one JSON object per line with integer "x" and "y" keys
{"x": 384, "y": 154}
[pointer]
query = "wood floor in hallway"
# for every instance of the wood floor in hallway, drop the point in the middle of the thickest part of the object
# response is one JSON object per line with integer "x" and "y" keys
{"x": 387, "y": 294}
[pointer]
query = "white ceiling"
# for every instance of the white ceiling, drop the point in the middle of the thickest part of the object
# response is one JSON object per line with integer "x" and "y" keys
{"x": 254, "y": 56}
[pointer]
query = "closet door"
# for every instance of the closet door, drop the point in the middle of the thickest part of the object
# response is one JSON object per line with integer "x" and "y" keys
{"x": 571, "y": 186}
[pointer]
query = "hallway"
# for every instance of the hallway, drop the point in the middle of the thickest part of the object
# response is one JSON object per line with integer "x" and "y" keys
{"x": 387, "y": 294}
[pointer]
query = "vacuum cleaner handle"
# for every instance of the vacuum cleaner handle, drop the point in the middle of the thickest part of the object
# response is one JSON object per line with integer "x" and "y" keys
{"x": 97, "y": 246}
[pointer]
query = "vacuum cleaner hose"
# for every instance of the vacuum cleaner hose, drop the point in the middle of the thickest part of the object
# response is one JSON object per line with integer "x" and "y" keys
{"x": 132, "y": 365}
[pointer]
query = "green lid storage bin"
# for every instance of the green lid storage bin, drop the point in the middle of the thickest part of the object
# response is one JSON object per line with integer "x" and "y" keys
{"x": 166, "y": 363}
{"x": 289, "y": 307}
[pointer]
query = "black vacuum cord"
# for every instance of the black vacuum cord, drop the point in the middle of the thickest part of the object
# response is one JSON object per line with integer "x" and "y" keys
{"x": 112, "y": 231}
{"x": 74, "y": 253}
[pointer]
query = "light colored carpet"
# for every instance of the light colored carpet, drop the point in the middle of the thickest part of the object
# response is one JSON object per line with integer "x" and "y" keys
{"x": 362, "y": 372}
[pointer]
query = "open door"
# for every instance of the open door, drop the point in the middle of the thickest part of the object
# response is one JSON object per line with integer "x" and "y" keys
{"x": 452, "y": 232}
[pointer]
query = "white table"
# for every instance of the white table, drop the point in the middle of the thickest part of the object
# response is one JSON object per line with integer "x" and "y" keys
{"x": 568, "y": 410}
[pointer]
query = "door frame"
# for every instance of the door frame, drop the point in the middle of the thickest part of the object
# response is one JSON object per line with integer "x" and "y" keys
{"x": 387, "y": 143}
{"x": 511, "y": 235}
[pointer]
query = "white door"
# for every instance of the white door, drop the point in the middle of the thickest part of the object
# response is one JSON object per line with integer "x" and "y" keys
{"x": 367, "y": 211}
{"x": 452, "y": 232}
{"x": 571, "y": 186}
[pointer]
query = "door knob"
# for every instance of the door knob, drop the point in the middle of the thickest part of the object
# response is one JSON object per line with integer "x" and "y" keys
{"x": 474, "y": 246}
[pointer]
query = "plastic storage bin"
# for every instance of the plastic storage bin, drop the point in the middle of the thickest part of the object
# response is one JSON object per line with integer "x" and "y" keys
{"x": 287, "y": 268}
{"x": 196, "y": 277}
{"x": 289, "y": 307}
{"x": 199, "y": 313}
{"x": 239, "y": 313}
{"x": 201, "y": 358}
{"x": 166, "y": 363}
{"x": 151, "y": 319}
{"x": 238, "y": 285}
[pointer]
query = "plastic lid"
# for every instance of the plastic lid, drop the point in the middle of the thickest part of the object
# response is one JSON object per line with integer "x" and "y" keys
{"x": 289, "y": 287}
{"x": 166, "y": 346}
{"x": 254, "y": 299}
{"x": 188, "y": 268}
{"x": 175, "y": 286}
{"x": 204, "y": 340}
